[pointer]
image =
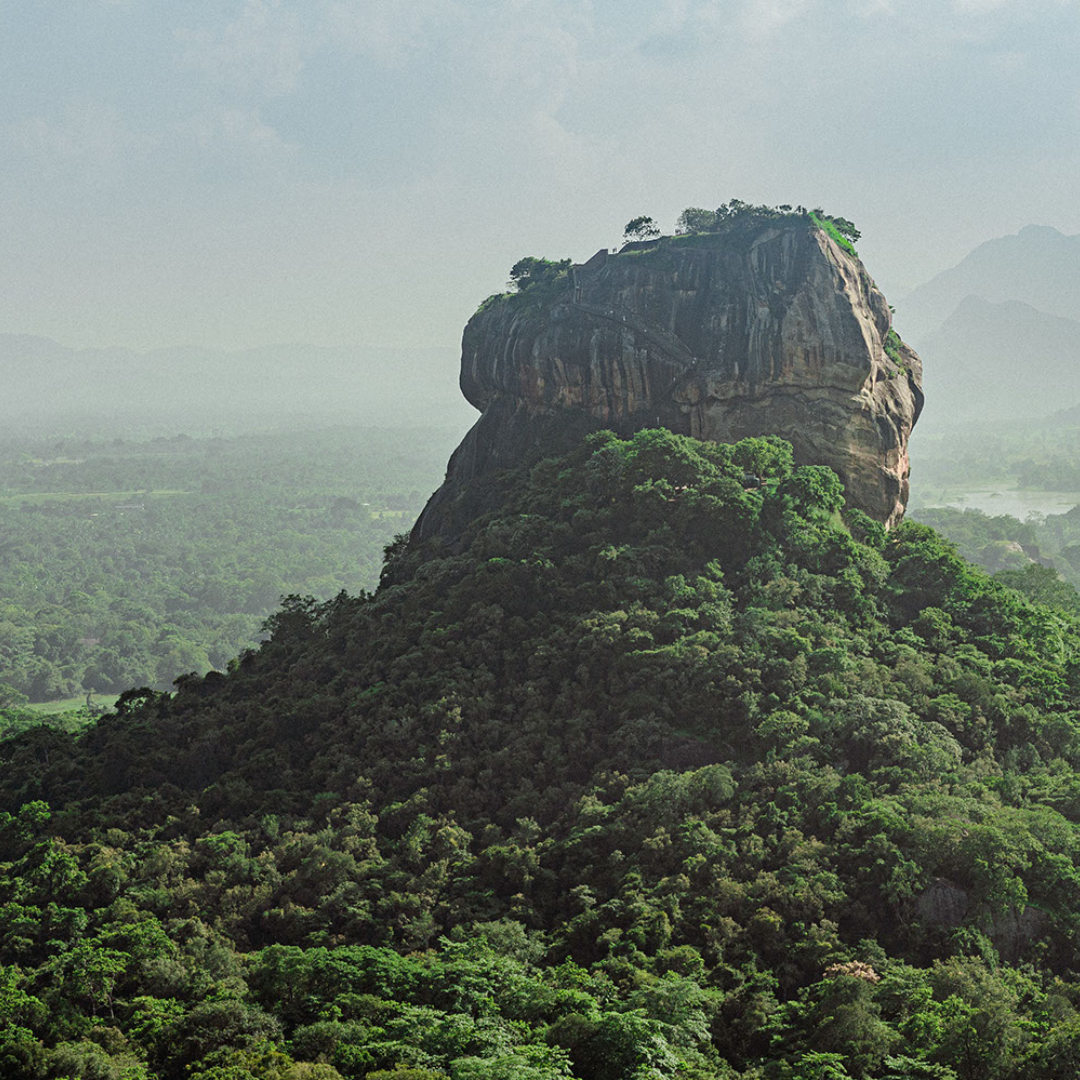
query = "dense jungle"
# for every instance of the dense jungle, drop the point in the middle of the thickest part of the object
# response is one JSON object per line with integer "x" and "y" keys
{"x": 130, "y": 559}
{"x": 650, "y": 774}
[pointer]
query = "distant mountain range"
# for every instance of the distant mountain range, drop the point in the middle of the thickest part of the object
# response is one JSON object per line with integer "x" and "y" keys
{"x": 999, "y": 333}
{"x": 45, "y": 383}
{"x": 1001, "y": 359}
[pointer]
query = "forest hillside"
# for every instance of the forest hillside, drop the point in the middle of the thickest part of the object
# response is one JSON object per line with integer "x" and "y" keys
{"x": 127, "y": 561}
{"x": 651, "y": 775}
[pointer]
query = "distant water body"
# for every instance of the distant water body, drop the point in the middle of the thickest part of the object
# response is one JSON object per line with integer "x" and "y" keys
{"x": 998, "y": 502}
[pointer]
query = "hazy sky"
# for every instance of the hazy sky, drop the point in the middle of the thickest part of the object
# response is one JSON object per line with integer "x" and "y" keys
{"x": 240, "y": 172}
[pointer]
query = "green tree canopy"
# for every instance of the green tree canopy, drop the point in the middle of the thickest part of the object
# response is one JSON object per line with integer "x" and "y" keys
{"x": 641, "y": 228}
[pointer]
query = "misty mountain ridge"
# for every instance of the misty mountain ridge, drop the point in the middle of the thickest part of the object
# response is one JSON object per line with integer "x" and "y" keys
{"x": 1010, "y": 307}
{"x": 1039, "y": 266}
{"x": 45, "y": 382}
{"x": 1000, "y": 331}
{"x": 1001, "y": 359}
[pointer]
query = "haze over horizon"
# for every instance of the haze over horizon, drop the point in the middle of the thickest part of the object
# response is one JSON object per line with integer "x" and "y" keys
{"x": 247, "y": 172}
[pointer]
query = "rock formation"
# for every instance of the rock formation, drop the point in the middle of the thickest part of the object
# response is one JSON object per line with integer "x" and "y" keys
{"x": 763, "y": 328}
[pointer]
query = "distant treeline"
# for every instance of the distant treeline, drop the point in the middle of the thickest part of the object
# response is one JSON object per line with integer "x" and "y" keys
{"x": 1041, "y": 456}
{"x": 128, "y": 563}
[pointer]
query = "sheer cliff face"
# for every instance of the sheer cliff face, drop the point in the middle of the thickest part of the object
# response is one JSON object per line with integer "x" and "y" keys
{"x": 772, "y": 330}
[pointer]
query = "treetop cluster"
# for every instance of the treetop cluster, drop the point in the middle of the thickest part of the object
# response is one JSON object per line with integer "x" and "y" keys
{"x": 533, "y": 273}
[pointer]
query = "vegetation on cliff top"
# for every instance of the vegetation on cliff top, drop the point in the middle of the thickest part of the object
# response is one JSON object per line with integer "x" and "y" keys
{"x": 695, "y": 220}
{"x": 535, "y": 276}
{"x": 654, "y": 776}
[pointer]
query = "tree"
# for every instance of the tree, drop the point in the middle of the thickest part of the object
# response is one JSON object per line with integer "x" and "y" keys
{"x": 531, "y": 271}
{"x": 20, "y": 1049}
{"x": 846, "y": 228}
{"x": 819, "y": 1066}
{"x": 640, "y": 228}
{"x": 903, "y": 1067}
{"x": 814, "y": 489}
{"x": 1042, "y": 584}
{"x": 847, "y": 1021}
{"x": 10, "y": 697}
{"x": 694, "y": 219}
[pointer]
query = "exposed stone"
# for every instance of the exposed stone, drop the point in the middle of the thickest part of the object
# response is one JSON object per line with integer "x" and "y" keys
{"x": 943, "y": 903}
{"x": 1012, "y": 929}
{"x": 1015, "y": 929}
{"x": 767, "y": 329}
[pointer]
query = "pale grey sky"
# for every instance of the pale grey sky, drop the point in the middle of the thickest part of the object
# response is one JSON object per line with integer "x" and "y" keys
{"x": 241, "y": 172}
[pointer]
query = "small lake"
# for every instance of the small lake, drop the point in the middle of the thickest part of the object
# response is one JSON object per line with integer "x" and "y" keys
{"x": 999, "y": 501}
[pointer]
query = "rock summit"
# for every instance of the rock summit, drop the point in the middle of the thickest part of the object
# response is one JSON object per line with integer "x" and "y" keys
{"x": 760, "y": 328}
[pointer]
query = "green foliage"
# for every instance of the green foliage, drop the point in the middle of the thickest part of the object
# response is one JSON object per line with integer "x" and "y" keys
{"x": 129, "y": 563}
{"x": 1034, "y": 557}
{"x": 738, "y": 214}
{"x": 694, "y": 219}
{"x": 641, "y": 228}
{"x": 652, "y": 775}
{"x": 1042, "y": 584}
{"x": 532, "y": 273}
{"x": 893, "y": 345}
{"x": 10, "y": 697}
{"x": 844, "y": 227}
{"x": 842, "y": 236}
{"x": 733, "y": 215}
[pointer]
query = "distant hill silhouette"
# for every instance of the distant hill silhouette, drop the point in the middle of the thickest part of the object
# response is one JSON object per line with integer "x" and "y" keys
{"x": 1038, "y": 266}
{"x": 1001, "y": 359}
{"x": 45, "y": 382}
{"x": 1000, "y": 331}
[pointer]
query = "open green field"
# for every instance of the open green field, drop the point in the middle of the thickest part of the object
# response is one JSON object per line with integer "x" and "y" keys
{"x": 49, "y": 708}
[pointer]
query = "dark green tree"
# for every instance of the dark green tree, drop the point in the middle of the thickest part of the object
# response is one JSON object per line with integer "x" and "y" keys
{"x": 529, "y": 272}
{"x": 694, "y": 219}
{"x": 641, "y": 228}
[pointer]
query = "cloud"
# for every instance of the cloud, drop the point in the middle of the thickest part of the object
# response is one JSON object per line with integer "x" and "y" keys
{"x": 234, "y": 132}
{"x": 761, "y": 19}
{"x": 387, "y": 29}
{"x": 979, "y": 7}
{"x": 869, "y": 9}
{"x": 88, "y": 137}
{"x": 531, "y": 67}
{"x": 262, "y": 50}
{"x": 506, "y": 126}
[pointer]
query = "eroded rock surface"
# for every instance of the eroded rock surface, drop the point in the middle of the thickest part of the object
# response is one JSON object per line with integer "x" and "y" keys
{"x": 766, "y": 330}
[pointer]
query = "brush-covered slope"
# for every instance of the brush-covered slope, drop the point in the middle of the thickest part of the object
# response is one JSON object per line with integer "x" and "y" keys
{"x": 656, "y": 777}
{"x": 768, "y": 326}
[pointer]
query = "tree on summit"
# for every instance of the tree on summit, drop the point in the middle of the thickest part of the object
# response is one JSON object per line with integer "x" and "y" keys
{"x": 531, "y": 271}
{"x": 694, "y": 219}
{"x": 846, "y": 228}
{"x": 641, "y": 228}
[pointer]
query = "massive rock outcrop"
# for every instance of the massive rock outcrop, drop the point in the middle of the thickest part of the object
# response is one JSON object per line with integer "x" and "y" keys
{"x": 760, "y": 329}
